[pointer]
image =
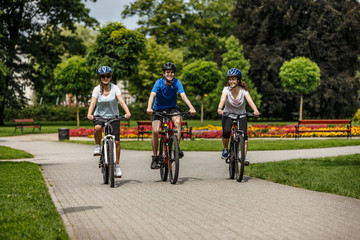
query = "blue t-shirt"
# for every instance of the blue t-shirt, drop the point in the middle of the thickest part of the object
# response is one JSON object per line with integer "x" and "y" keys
{"x": 166, "y": 95}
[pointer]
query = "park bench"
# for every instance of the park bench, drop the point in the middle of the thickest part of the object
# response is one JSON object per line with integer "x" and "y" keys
{"x": 323, "y": 121}
{"x": 26, "y": 123}
{"x": 186, "y": 131}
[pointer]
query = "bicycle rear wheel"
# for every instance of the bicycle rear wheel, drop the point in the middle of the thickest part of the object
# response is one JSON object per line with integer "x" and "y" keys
{"x": 173, "y": 159}
{"x": 164, "y": 169}
{"x": 104, "y": 167}
{"x": 111, "y": 168}
{"x": 239, "y": 160}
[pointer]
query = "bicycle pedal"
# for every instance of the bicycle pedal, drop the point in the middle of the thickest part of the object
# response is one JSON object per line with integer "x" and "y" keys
{"x": 227, "y": 160}
{"x": 96, "y": 154}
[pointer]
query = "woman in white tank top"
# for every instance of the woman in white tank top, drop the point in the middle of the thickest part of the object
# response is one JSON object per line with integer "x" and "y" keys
{"x": 233, "y": 96}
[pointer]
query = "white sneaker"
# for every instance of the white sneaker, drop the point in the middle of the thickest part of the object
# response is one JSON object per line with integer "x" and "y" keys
{"x": 118, "y": 172}
{"x": 246, "y": 161}
{"x": 97, "y": 150}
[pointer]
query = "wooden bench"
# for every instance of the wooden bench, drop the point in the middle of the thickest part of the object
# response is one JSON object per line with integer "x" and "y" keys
{"x": 323, "y": 121}
{"x": 26, "y": 123}
{"x": 185, "y": 129}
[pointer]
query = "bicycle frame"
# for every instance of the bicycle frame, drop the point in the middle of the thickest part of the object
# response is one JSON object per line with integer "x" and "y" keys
{"x": 168, "y": 128}
{"x": 107, "y": 138}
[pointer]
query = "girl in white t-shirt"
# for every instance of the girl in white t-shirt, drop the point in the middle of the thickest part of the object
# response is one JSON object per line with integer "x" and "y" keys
{"x": 106, "y": 97}
{"x": 233, "y": 96}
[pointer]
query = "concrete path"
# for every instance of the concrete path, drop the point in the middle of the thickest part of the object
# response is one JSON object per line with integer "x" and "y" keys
{"x": 204, "y": 204}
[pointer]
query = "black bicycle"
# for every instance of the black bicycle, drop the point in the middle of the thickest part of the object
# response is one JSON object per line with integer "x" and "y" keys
{"x": 108, "y": 150}
{"x": 169, "y": 147}
{"x": 237, "y": 147}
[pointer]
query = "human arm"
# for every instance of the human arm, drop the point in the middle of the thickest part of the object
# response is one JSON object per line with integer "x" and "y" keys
{"x": 221, "y": 104}
{"x": 188, "y": 103}
{"x": 124, "y": 106}
{"x": 150, "y": 103}
{"x": 252, "y": 104}
{"x": 91, "y": 108}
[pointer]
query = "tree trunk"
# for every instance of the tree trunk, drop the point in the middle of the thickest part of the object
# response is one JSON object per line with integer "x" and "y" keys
{"x": 301, "y": 107}
{"x": 77, "y": 113}
{"x": 202, "y": 110}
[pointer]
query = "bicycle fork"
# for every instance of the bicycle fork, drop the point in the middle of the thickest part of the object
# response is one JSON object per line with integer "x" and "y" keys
{"x": 107, "y": 139}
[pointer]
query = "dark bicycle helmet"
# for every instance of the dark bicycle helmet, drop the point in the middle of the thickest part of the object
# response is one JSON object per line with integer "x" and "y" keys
{"x": 234, "y": 72}
{"x": 169, "y": 66}
{"x": 104, "y": 70}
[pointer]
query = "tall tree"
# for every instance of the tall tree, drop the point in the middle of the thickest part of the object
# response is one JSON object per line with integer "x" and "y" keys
{"x": 300, "y": 75}
{"x": 20, "y": 22}
{"x": 116, "y": 47}
{"x": 73, "y": 76}
{"x": 328, "y": 32}
{"x": 203, "y": 77}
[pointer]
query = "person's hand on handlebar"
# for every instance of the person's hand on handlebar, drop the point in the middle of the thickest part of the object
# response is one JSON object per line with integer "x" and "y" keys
{"x": 192, "y": 111}
{"x": 127, "y": 115}
{"x": 256, "y": 113}
{"x": 220, "y": 111}
{"x": 149, "y": 111}
{"x": 90, "y": 117}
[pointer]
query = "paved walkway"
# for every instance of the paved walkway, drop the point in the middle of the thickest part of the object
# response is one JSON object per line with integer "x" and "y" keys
{"x": 204, "y": 204}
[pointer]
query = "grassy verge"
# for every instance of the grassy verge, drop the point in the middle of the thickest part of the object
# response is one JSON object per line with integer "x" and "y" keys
{"x": 337, "y": 175}
{"x": 10, "y": 153}
{"x": 254, "y": 144}
{"x": 26, "y": 208}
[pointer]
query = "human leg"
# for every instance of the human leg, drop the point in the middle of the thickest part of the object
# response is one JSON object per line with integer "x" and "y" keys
{"x": 226, "y": 126}
{"x": 97, "y": 137}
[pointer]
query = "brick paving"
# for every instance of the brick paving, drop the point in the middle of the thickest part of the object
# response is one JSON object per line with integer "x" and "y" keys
{"x": 204, "y": 204}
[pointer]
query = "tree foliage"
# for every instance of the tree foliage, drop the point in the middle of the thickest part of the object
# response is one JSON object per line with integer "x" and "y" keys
{"x": 202, "y": 77}
{"x": 328, "y": 32}
{"x": 21, "y": 23}
{"x": 73, "y": 76}
{"x": 116, "y": 47}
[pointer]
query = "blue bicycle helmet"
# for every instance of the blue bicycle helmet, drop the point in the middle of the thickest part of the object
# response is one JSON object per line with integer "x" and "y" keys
{"x": 234, "y": 72}
{"x": 169, "y": 66}
{"x": 104, "y": 70}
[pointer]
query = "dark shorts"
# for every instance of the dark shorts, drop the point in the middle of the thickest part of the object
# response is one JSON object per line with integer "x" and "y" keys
{"x": 227, "y": 125}
{"x": 167, "y": 110}
{"x": 115, "y": 126}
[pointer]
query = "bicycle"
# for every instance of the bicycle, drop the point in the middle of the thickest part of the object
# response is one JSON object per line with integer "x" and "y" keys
{"x": 237, "y": 155}
{"x": 108, "y": 150}
{"x": 169, "y": 147}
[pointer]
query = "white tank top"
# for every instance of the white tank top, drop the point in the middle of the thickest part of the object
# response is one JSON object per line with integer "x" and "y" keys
{"x": 235, "y": 105}
{"x": 107, "y": 106}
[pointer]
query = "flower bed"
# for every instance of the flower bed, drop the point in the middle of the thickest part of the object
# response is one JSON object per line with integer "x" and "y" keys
{"x": 255, "y": 130}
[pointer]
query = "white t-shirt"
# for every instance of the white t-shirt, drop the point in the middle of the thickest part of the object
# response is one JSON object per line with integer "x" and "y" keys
{"x": 235, "y": 105}
{"x": 107, "y": 106}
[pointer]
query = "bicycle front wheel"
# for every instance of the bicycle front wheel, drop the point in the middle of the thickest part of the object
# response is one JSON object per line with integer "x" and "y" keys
{"x": 231, "y": 159}
{"x": 173, "y": 159}
{"x": 110, "y": 148}
{"x": 164, "y": 169}
{"x": 104, "y": 167}
{"x": 239, "y": 160}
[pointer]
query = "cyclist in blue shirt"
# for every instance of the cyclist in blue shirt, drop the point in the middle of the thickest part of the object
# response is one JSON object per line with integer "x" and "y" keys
{"x": 164, "y": 93}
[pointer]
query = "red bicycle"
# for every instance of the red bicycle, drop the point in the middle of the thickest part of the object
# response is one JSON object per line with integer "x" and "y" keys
{"x": 169, "y": 147}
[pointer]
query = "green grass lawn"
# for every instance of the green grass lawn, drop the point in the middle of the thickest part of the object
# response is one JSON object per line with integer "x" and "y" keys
{"x": 254, "y": 144}
{"x": 337, "y": 175}
{"x": 10, "y": 153}
{"x": 26, "y": 208}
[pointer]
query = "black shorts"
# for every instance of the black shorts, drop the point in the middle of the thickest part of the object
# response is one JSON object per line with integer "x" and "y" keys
{"x": 115, "y": 128}
{"x": 167, "y": 110}
{"x": 227, "y": 125}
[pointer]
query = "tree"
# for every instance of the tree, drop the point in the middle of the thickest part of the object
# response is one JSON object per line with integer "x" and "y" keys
{"x": 74, "y": 76}
{"x": 202, "y": 77}
{"x": 20, "y": 22}
{"x": 116, "y": 47}
{"x": 326, "y": 32}
{"x": 300, "y": 75}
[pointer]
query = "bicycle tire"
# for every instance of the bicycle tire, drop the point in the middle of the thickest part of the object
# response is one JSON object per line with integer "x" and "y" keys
{"x": 239, "y": 161}
{"x": 104, "y": 167}
{"x": 164, "y": 169}
{"x": 231, "y": 160}
{"x": 110, "y": 148}
{"x": 173, "y": 159}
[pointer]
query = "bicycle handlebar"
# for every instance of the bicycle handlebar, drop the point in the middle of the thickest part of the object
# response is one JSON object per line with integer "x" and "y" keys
{"x": 232, "y": 115}
{"x": 106, "y": 119}
{"x": 169, "y": 115}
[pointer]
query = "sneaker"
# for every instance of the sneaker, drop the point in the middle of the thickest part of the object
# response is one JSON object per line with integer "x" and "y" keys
{"x": 154, "y": 162}
{"x": 97, "y": 150}
{"x": 225, "y": 154}
{"x": 118, "y": 172}
{"x": 246, "y": 161}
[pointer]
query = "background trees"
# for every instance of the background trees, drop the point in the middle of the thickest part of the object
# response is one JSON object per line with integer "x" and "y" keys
{"x": 325, "y": 31}
{"x": 300, "y": 75}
